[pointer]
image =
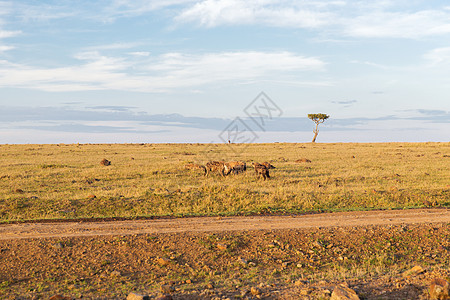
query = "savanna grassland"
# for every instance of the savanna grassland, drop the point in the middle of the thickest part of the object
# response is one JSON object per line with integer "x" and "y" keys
{"x": 67, "y": 181}
{"x": 46, "y": 182}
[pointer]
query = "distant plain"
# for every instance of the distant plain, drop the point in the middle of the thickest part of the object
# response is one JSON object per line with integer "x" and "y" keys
{"x": 67, "y": 181}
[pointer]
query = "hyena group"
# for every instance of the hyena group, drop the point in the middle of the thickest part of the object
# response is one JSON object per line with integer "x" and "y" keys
{"x": 226, "y": 168}
{"x": 234, "y": 167}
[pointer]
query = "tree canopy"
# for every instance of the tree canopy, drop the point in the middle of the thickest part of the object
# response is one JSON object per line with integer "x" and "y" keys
{"x": 318, "y": 118}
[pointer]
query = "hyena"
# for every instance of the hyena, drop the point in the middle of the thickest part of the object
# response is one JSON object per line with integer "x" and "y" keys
{"x": 262, "y": 170}
{"x": 235, "y": 167}
{"x": 268, "y": 165}
{"x": 217, "y": 166}
{"x": 195, "y": 167}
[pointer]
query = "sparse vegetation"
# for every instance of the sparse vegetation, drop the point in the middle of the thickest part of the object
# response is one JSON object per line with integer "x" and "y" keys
{"x": 318, "y": 119}
{"x": 279, "y": 263}
{"x": 67, "y": 181}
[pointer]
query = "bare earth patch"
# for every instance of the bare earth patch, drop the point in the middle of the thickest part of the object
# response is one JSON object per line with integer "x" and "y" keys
{"x": 269, "y": 257}
{"x": 204, "y": 224}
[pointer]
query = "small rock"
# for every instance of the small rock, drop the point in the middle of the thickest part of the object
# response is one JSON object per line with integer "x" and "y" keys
{"x": 317, "y": 244}
{"x": 242, "y": 260}
{"x": 105, "y": 162}
{"x": 344, "y": 293}
{"x": 164, "y": 297}
{"x": 326, "y": 292}
{"x": 20, "y": 191}
{"x": 115, "y": 273}
{"x": 58, "y": 245}
{"x": 299, "y": 283}
{"x": 166, "y": 289}
{"x": 303, "y": 160}
{"x": 305, "y": 291}
{"x": 135, "y": 296}
{"x": 416, "y": 270}
{"x": 189, "y": 281}
{"x": 222, "y": 246}
{"x": 255, "y": 291}
{"x": 439, "y": 289}
{"x": 163, "y": 261}
{"x": 59, "y": 297}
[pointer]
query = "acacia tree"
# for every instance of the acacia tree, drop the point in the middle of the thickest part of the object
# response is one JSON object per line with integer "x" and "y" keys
{"x": 317, "y": 118}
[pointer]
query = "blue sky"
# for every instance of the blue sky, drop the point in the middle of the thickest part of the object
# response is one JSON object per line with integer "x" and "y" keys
{"x": 182, "y": 71}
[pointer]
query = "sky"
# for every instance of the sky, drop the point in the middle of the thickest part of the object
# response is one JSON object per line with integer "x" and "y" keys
{"x": 149, "y": 71}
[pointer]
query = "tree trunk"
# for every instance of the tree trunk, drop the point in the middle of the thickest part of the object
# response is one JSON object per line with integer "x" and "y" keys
{"x": 316, "y": 132}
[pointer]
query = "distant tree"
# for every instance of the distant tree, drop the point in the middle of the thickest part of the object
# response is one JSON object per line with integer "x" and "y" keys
{"x": 317, "y": 118}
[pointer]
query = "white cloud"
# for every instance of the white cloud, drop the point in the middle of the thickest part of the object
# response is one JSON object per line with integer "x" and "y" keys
{"x": 100, "y": 10}
{"x": 41, "y": 11}
{"x": 125, "y": 8}
{"x": 213, "y": 13}
{"x": 399, "y": 25}
{"x": 140, "y": 53}
{"x": 7, "y": 34}
{"x": 5, "y": 8}
{"x": 438, "y": 56}
{"x": 193, "y": 70}
{"x": 158, "y": 74}
{"x": 351, "y": 18}
{"x": 29, "y": 13}
{"x": 5, "y": 48}
{"x": 113, "y": 46}
{"x": 374, "y": 19}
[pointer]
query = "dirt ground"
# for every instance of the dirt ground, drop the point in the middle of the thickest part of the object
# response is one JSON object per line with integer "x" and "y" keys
{"x": 205, "y": 224}
{"x": 268, "y": 257}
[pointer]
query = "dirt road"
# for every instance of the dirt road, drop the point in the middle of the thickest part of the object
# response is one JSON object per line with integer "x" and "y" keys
{"x": 205, "y": 224}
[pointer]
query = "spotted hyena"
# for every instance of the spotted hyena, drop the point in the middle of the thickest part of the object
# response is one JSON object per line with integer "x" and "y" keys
{"x": 262, "y": 170}
{"x": 235, "y": 167}
{"x": 268, "y": 165}
{"x": 217, "y": 166}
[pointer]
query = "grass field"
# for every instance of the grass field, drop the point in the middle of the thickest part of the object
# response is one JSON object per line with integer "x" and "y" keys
{"x": 67, "y": 181}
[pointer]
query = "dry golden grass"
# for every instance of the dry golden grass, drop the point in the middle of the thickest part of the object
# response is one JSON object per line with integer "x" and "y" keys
{"x": 68, "y": 181}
